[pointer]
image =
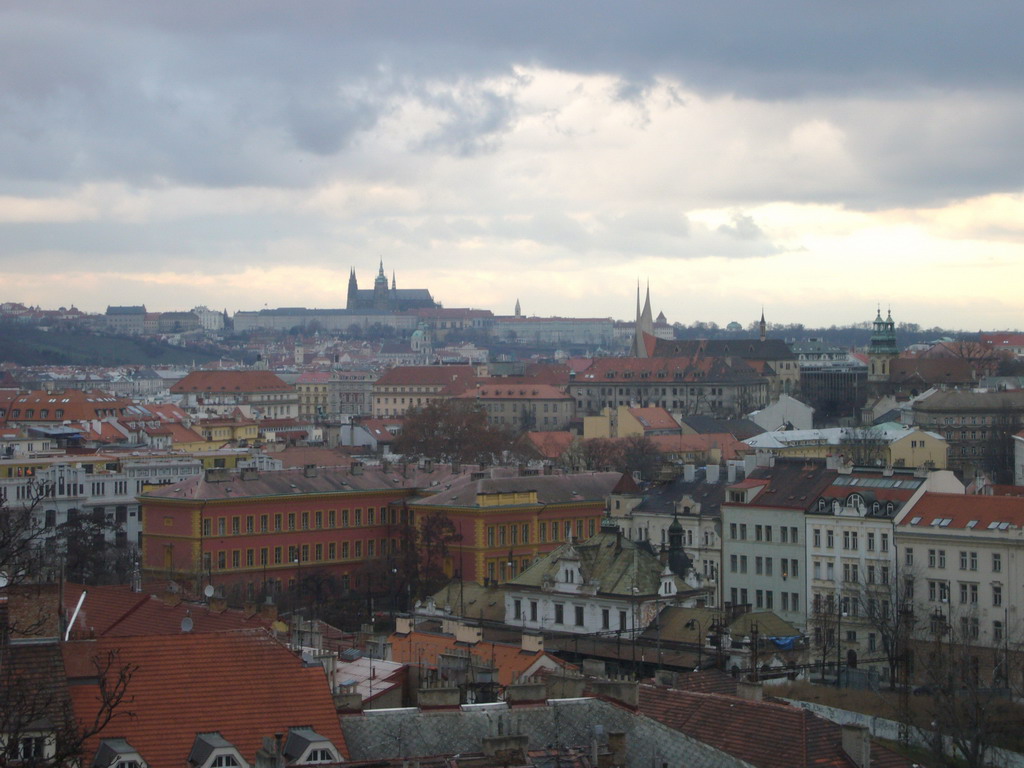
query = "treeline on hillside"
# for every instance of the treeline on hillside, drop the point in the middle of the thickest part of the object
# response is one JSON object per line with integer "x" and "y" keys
{"x": 29, "y": 345}
{"x": 858, "y": 335}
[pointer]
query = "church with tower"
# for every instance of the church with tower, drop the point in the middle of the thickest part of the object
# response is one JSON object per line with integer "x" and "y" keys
{"x": 385, "y": 298}
{"x": 882, "y": 350}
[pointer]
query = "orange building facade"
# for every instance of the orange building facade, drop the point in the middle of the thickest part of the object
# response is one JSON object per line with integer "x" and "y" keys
{"x": 252, "y": 533}
{"x": 507, "y": 523}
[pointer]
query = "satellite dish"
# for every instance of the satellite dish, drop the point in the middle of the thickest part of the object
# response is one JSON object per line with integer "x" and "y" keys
{"x": 4, "y": 581}
{"x": 187, "y": 624}
{"x": 208, "y": 590}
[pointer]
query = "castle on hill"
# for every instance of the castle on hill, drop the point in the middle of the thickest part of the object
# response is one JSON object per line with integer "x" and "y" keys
{"x": 383, "y": 298}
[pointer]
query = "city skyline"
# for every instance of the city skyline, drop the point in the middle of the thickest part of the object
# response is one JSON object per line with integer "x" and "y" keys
{"x": 816, "y": 161}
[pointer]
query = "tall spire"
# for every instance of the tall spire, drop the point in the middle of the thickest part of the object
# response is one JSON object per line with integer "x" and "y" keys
{"x": 519, "y": 310}
{"x": 644, "y": 324}
{"x": 380, "y": 273}
{"x": 393, "y": 284}
{"x": 762, "y": 326}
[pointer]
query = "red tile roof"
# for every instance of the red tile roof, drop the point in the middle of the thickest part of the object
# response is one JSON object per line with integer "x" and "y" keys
{"x": 728, "y": 444}
{"x": 962, "y": 510}
{"x": 230, "y": 381}
{"x": 550, "y": 445}
{"x": 426, "y": 375}
{"x": 116, "y": 611}
{"x": 245, "y": 685}
{"x": 765, "y": 734}
{"x": 654, "y": 418}
{"x": 425, "y": 648}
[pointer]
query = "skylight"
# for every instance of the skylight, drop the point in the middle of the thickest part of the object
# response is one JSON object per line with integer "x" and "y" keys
{"x": 915, "y": 520}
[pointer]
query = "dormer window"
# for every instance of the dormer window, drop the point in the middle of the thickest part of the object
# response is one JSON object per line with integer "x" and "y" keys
{"x": 305, "y": 746}
{"x": 211, "y": 750}
{"x": 224, "y": 761}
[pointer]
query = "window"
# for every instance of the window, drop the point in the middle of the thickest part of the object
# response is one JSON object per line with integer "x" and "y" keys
{"x": 743, "y": 563}
{"x": 732, "y": 530}
{"x": 932, "y": 559}
{"x": 997, "y": 595}
{"x": 224, "y": 761}
{"x": 758, "y": 569}
{"x": 974, "y": 561}
{"x": 490, "y": 536}
{"x": 605, "y": 618}
{"x": 829, "y": 539}
{"x": 817, "y": 537}
{"x": 767, "y": 533}
{"x": 997, "y": 562}
{"x": 768, "y": 566}
{"x": 908, "y": 556}
{"x": 885, "y": 542}
{"x": 757, "y": 533}
{"x": 305, "y": 521}
{"x": 517, "y": 609}
{"x": 622, "y": 621}
{"x": 743, "y": 531}
{"x": 997, "y": 631}
{"x": 942, "y": 558}
{"x": 533, "y": 610}
{"x": 578, "y": 610}
{"x": 963, "y": 560}
{"x": 221, "y": 526}
{"x": 332, "y": 518}
{"x": 885, "y": 574}
{"x": 871, "y": 541}
{"x": 559, "y": 613}
{"x": 207, "y": 527}
{"x": 784, "y": 534}
{"x": 794, "y": 534}
{"x": 291, "y": 521}
{"x": 733, "y": 562}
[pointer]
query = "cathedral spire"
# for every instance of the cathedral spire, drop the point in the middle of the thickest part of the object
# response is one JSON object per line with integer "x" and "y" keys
{"x": 393, "y": 284}
{"x": 762, "y": 326}
{"x": 519, "y": 310}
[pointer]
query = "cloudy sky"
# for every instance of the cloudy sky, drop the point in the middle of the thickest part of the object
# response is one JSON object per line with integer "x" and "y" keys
{"x": 817, "y": 158}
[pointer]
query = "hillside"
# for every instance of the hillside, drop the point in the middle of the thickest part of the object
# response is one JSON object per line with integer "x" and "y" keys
{"x": 30, "y": 345}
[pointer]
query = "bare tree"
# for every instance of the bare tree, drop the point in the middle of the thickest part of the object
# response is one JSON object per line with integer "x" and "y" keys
{"x": 825, "y": 628}
{"x": 965, "y": 711}
{"x": 888, "y": 608}
{"x": 36, "y": 716}
{"x": 37, "y": 723}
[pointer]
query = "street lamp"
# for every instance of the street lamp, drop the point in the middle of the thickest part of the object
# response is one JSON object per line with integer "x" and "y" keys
{"x": 839, "y": 638}
{"x": 695, "y": 624}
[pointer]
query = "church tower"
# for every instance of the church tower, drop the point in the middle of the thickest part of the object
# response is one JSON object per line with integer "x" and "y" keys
{"x": 644, "y": 324}
{"x": 762, "y": 327}
{"x": 380, "y": 289}
{"x": 519, "y": 309}
{"x": 882, "y": 349}
{"x": 353, "y": 289}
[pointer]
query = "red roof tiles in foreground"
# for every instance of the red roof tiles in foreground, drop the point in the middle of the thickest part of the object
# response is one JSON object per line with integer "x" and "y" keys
{"x": 764, "y": 734}
{"x": 245, "y": 685}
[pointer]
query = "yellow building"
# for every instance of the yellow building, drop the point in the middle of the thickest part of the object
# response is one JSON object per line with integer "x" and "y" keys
{"x": 888, "y": 444}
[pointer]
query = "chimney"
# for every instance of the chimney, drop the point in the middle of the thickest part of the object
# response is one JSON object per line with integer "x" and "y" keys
{"x": 688, "y": 473}
{"x": 268, "y": 611}
{"x": 532, "y": 643}
{"x": 857, "y": 744}
{"x": 171, "y": 597}
{"x": 713, "y": 472}
{"x": 750, "y": 691}
{"x": 250, "y": 473}
{"x": 749, "y": 464}
{"x": 832, "y": 461}
{"x": 617, "y": 747}
{"x": 309, "y": 470}
{"x": 548, "y": 468}
{"x": 218, "y": 604}
{"x": 469, "y": 634}
{"x": 403, "y": 625}
{"x": 356, "y": 468}
{"x": 428, "y": 465}
{"x": 250, "y": 609}
{"x": 730, "y": 472}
